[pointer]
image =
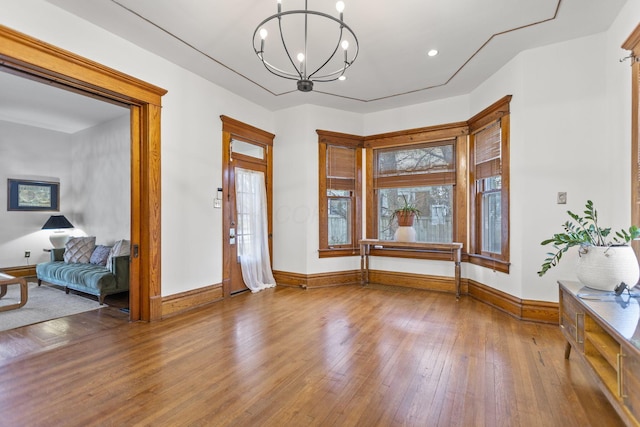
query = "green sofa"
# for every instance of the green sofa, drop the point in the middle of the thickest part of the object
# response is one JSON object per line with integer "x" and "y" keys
{"x": 85, "y": 277}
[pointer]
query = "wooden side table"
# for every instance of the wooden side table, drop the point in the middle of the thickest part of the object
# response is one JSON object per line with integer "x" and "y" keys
{"x": 5, "y": 281}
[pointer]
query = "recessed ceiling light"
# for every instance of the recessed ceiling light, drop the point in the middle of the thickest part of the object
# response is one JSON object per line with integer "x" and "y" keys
{"x": 342, "y": 78}
{"x": 432, "y": 52}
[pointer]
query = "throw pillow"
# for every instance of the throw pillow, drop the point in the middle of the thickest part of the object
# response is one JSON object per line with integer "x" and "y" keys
{"x": 121, "y": 247}
{"x": 100, "y": 255}
{"x": 79, "y": 249}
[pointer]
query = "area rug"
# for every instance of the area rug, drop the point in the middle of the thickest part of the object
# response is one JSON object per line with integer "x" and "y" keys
{"x": 44, "y": 303}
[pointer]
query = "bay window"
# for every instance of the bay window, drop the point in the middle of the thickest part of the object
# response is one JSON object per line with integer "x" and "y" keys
{"x": 456, "y": 175}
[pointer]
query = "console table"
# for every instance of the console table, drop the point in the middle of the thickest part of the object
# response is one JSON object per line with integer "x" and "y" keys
{"x": 5, "y": 281}
{"x": 604, "y": 329}
{"x": 454, "y": 249}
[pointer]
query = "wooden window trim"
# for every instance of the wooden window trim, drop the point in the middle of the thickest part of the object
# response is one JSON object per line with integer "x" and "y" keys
{"x": 497, "y": 112}
{"x": 632, "y": 43}
{"x": 326, "y": 138}
{"x": 488, "y": 262}
{"x": 423, "y": 135}
{"x": 454, "y": 133}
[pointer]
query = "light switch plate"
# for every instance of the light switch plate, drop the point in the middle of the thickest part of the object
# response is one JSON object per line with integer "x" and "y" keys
{"x": 562, "y": 198}
{"x": 217, "y": 203}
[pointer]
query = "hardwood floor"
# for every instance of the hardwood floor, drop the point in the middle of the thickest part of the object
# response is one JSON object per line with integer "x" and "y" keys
{"x": 347, "y": 356}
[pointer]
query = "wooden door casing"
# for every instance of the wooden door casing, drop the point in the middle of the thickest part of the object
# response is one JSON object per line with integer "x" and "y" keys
{"x": 235, "y": 130}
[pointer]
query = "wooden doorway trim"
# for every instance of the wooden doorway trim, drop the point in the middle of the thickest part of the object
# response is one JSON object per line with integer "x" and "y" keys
{"x": 25, "y": 54}
{"x": 632, "y": 43}
{"x": 234, "y": 129}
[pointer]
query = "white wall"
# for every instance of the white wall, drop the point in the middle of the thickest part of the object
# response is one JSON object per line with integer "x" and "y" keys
{"x": 296, "y": 235}
{"x": 35, "y": 154}
{"x": 101, "y": 180}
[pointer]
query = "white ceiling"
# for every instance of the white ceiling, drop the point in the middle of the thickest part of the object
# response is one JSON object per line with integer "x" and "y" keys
{"x": 213, "y": 38}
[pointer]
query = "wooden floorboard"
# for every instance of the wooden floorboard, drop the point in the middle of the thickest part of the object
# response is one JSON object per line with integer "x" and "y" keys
{"x": 347, "y": 356}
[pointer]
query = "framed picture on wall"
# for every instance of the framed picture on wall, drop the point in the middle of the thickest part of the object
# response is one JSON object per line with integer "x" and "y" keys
{"x": 25, "y": 195}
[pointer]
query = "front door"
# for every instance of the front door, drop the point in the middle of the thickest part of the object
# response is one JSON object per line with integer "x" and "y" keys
{"x": 242, "y": 148}
{"x": 236, "y": 230}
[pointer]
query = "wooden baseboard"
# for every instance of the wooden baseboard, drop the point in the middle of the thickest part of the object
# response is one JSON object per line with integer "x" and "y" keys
{"x": 185, "y": 301}
{"x": 540, "y": 311}
{"x": 417, "y": 281}
{"x": 531, "y": 310}
{"x": 24, "y": 271}
{"x": 321, "y": 280}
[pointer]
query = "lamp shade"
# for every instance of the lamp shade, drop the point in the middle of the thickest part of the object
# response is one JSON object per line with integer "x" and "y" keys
{"x": 56, "y": 222}
{"x": 59, "y": 237}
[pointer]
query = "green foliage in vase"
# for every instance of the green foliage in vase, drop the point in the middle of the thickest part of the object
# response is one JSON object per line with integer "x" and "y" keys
{"x": 584, "y": 231}
{"x": 407, "y": 208}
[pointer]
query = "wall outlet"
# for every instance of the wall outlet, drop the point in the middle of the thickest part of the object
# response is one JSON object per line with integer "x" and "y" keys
{"x": 562, "y": 198}
{"x": 27, "y": 254}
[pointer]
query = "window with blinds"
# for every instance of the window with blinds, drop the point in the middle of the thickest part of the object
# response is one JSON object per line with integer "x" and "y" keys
{"x": 488, "y": 152}
{"x": 340, "y": 188}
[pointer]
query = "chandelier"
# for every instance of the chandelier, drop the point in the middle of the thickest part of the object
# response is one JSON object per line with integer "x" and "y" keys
{"x": 317, "y": 55}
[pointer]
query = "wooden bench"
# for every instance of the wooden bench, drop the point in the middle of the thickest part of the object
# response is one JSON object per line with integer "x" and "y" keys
{"x": 5, "y": 281}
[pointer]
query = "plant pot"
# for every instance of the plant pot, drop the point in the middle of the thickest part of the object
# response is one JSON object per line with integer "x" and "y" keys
{"x": 605, "y": 267}
{"x": 405, "y": 219}
{"x": 405, "y": 234}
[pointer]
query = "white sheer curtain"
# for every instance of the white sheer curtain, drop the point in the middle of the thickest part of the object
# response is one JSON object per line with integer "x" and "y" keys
{"x": 252, "y": 231}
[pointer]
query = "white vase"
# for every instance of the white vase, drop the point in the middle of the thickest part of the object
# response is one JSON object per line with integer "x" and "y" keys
{"x": 605, "y": 267}
{"x": 405, "y": 234}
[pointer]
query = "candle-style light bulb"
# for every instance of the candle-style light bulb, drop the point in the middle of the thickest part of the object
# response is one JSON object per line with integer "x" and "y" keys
{"x": 340, "y": 8}
{"x": 263, "y": 36}
{"x": 345, "y": 46}
{"x": 279, "y": 5}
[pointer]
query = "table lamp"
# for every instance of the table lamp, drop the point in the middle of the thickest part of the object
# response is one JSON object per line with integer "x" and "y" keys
{"x": 58, "y": 223}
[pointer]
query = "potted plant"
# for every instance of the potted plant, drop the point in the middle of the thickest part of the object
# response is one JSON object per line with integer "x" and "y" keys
{"x": 605, "y": 259}
{"x": 405, "y": 216}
